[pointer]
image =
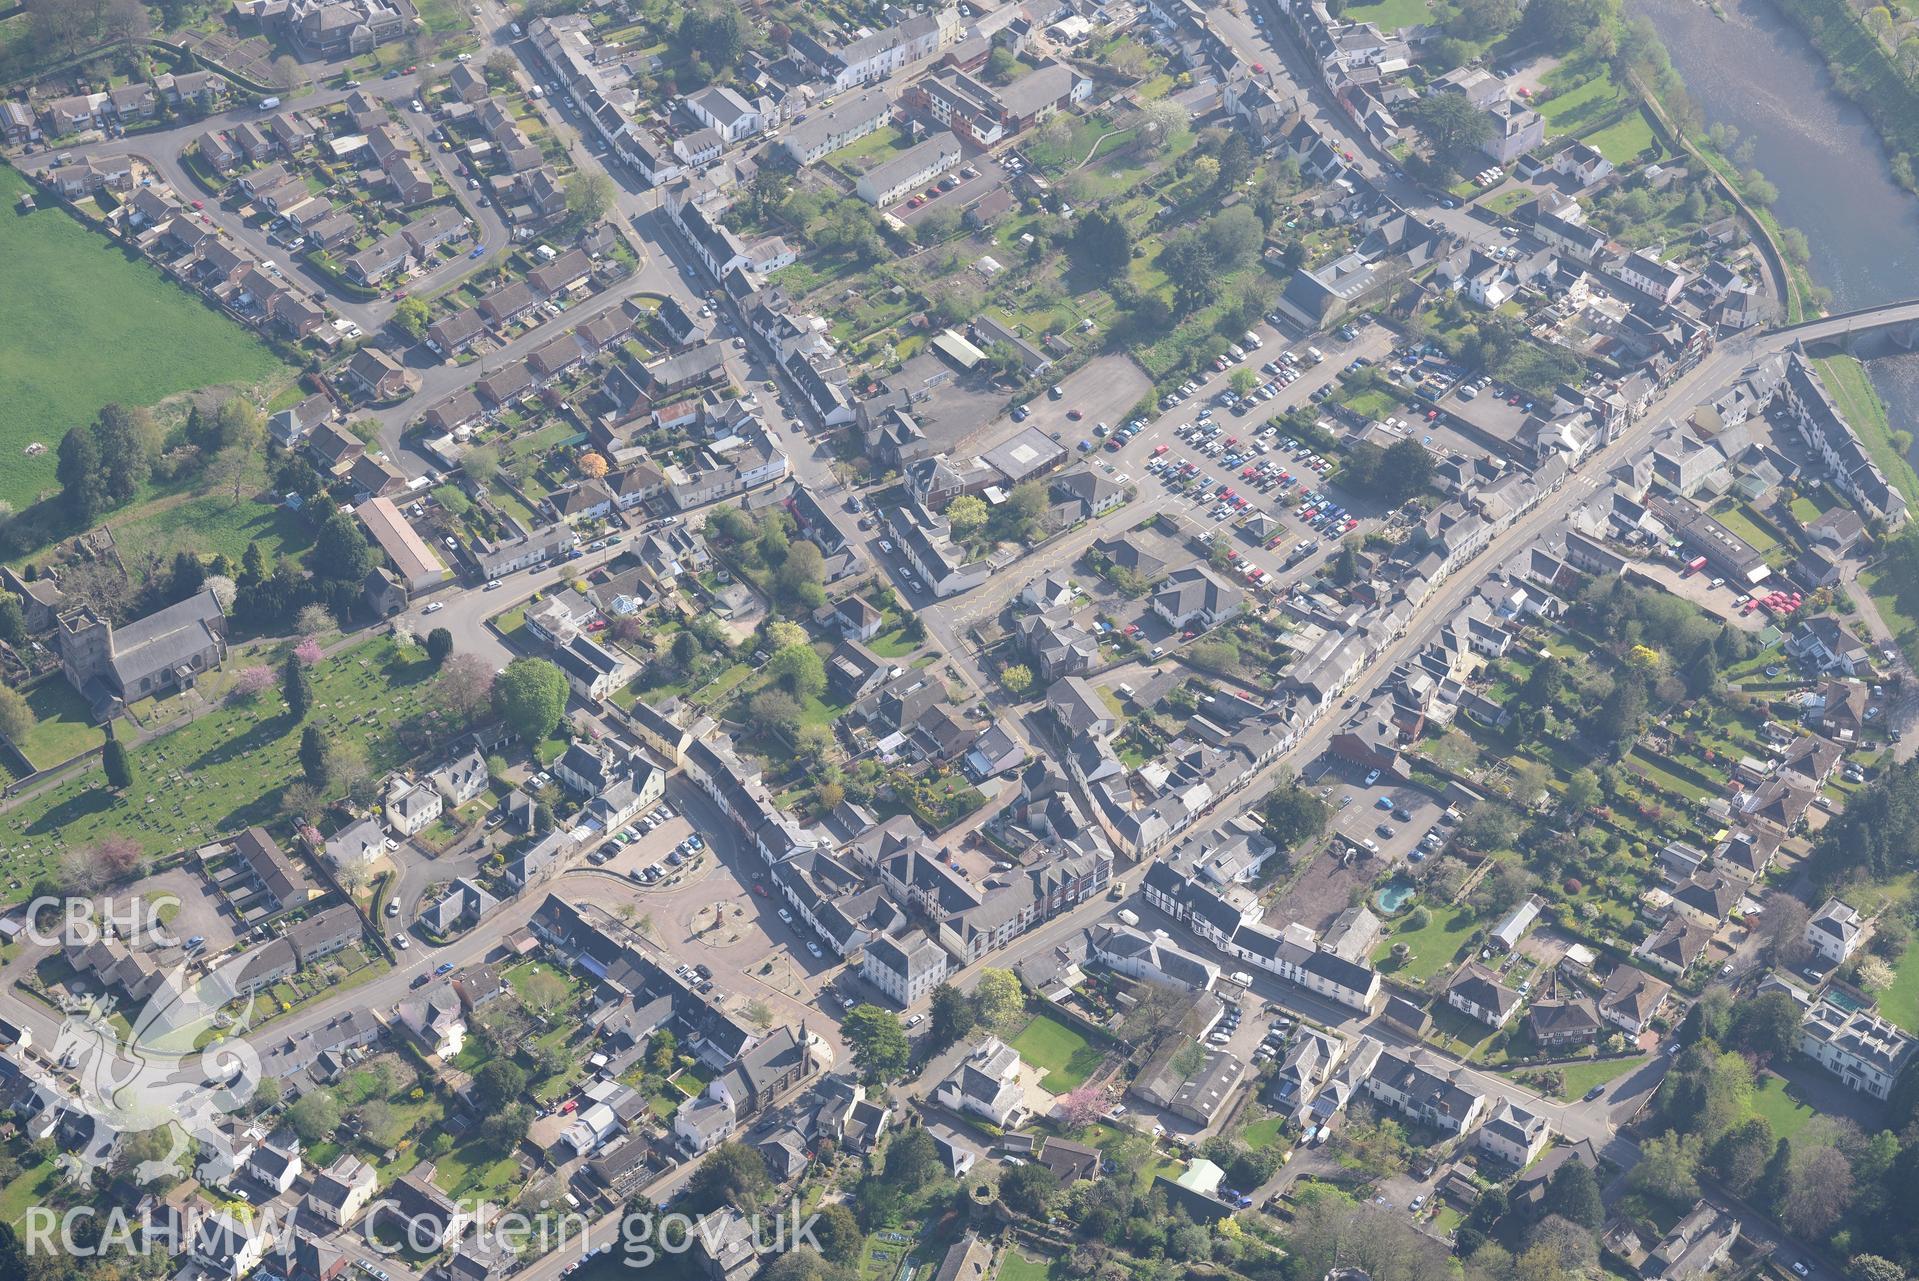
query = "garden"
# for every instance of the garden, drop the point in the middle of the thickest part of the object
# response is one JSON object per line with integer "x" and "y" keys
{"x": 75, "y": 295}
{"x": 226, "y": 768}
{"x": 1066, "y": 1057}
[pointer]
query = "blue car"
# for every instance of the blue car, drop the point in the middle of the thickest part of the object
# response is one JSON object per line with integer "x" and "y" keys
{"x": 479, "y": 251}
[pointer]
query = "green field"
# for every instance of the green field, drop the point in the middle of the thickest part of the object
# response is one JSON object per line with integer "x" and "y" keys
{"x": 1623, "y": 140}
{"x": 85, "y": 326}
{"x": 1900, "y": 1002}
{"x": 1059, "y": 1051}
{"x": 1391, "y": 14}
{"x": 1774, "y": 1100}
{"x": 1262, "y": 1133}
{"x": 1580, "y": 1077}
{"x": 1434, "y": 948}
{"x": 64, "y": 726}
{"x": 214, "y": 525}
{"x": 1577, "y": 104}
{"x": 225, "y": 769}
{"x": 1014, "y": 1266}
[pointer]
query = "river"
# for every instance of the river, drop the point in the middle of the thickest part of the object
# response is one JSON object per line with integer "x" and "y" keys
{"x": 1753, "y": 70}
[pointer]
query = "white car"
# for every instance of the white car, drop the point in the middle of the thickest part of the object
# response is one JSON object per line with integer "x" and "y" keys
{"x": 786, "y": 916}
{"x": 435, "y": 607}
{"x": 814, "y": 948}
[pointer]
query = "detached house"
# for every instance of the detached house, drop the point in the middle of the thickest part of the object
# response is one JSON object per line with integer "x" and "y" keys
{"x": 1836, "y": 931}
{"x": 987, "y": 1084}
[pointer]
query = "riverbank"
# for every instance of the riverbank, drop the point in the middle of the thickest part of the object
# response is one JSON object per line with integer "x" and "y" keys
{"x": 1859, "y": 401}
{"x": 1864, "y": 71}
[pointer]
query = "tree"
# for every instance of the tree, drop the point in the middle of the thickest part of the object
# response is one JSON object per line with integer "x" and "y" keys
{"x": 1819, "y": 1190}
{"x": 592, "y": 465}
{"x": 1079, "y": 1108}
{"x": 13, "y": 625}
{"x": 464, "y": 688}
{"x": 439, "y": 646}
{"x": 801, "y": 577}
{"x": 1030, "y": 1189}
{"x": 83, "y": 487}
{"x": 1739, "y": 1157}
{"x": 1221, "y": 655}
{"x": 966, "y": 514}
{"x": 912, "y": 1161}
{"x": 314, "y": 1115}
{"x": 119, "y": 770}
{"x": 1767, "y": 1026}
{"x": 16, "y": 717}
{"x": 503, "y": 1130}
{"x": 1000, "y": 1000}
{"x": 481, "y": 464}
{"x": 1573, "y": 1194}
{"x": 1016, "y": 679}
{"x": 313, "y": 756}
{"x": 1872, "y": 1267}
{"x": 732, "y": 1174}
{"x": 950, "y": 1016}
{"x": 340, "y": 553}
{"x": 498, "y": 1082}
{"x": 776, "y": 710}
{"x": 878, "y": 1041}
{"x": 128, "y": 439}
{"x": 588, "y": 196}
{"x": 1450, "y": 123}
{"x": 1782, "y": 928}
{"x": 530, "y": 696}
{"x": 1668, "y": 1167}
{"x": 715, "y": 36}
{"x": 1562, "y": 24}
{"x": 297, "y": 686}
{"x": 1103, "y": 245}
{"x": 838, "y": 1232}
{"x": 411, "y": 315}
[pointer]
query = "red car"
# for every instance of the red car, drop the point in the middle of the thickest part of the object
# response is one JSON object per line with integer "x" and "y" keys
{"x": 199, "y": 204}
{"x": 1158, "y": 450}
{"x": 1132, "y": 629}
{"x": 759, "y": 889}
{"x": 1074, "y": 415}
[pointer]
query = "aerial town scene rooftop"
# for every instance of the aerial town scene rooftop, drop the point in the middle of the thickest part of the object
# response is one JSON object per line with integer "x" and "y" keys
{"x": 1030, "y": 640}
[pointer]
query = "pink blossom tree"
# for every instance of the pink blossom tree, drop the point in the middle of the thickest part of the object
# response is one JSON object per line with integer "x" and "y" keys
{"x": 308, "y": 650}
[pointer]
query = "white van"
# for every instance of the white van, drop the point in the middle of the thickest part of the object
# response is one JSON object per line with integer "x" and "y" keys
{"x": 1253, "y": 341}
{"x": 1315, "y": 354}
{"x": 1127, "y": 916}
{"x": 268, "y": 104}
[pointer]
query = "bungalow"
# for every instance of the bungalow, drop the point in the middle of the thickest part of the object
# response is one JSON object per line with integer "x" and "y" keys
{"x": 1194, "y": 598}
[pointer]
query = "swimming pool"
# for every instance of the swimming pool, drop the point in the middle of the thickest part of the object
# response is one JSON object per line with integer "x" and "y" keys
{"x": 1395, "y": 895}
